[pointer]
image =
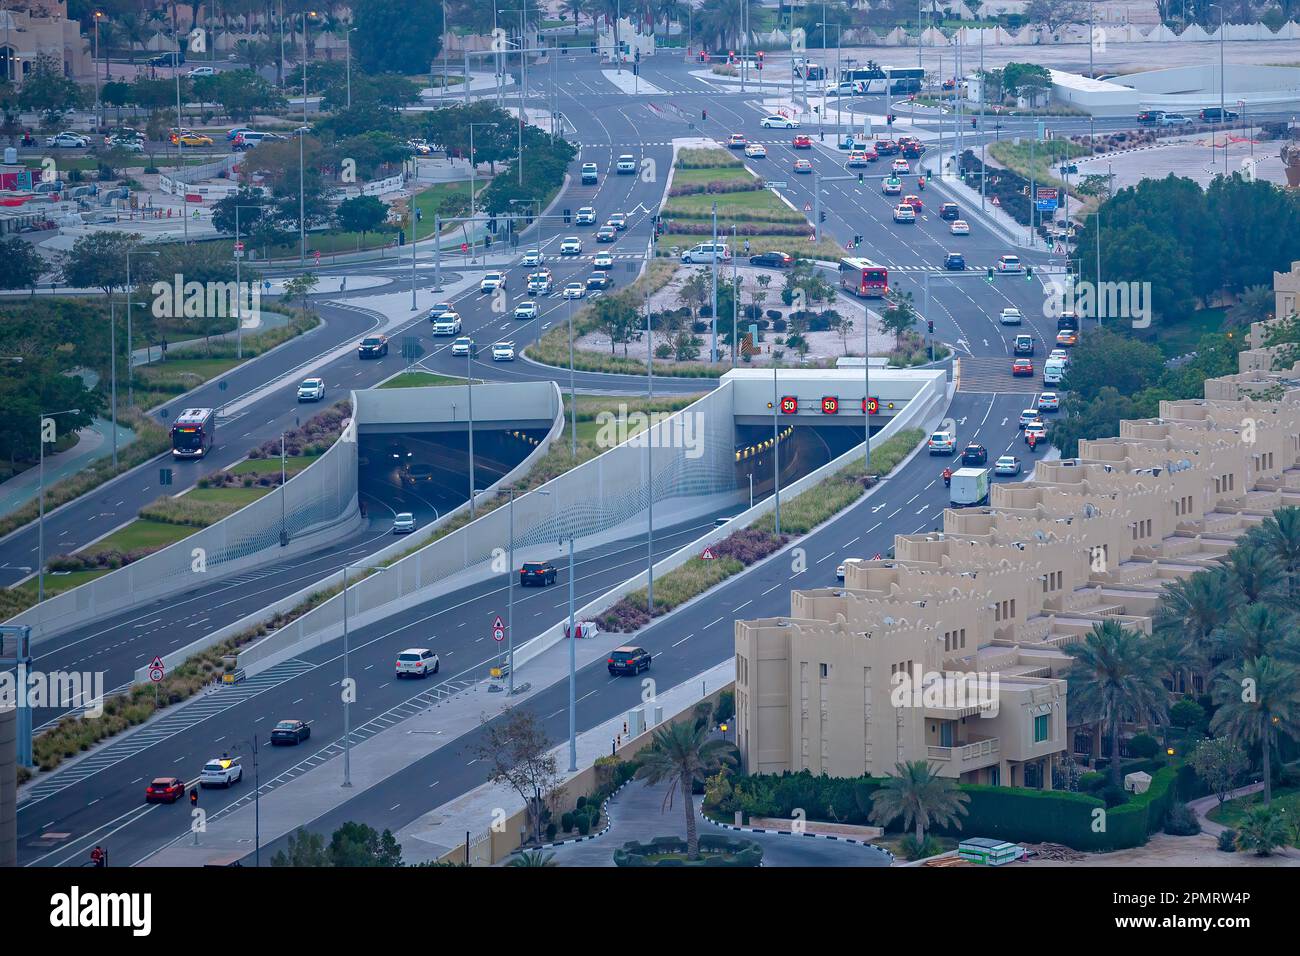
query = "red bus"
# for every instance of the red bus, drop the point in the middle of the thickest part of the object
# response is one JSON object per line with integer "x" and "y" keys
{"x": 864, "y": 278}
{"x": 194, "y": 432}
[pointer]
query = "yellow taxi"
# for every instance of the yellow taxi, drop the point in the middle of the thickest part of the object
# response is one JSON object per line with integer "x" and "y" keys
{"x": 192, "y": 139}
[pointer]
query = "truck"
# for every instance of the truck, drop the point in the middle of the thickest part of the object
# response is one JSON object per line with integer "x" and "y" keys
{"x": 969, "y": 486}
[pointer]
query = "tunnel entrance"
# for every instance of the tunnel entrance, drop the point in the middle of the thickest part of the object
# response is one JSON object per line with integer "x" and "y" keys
{"x": 804, "y": 449}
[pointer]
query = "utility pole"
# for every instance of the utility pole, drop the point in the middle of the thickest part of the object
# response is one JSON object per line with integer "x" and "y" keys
{"x": 713, "y": 313}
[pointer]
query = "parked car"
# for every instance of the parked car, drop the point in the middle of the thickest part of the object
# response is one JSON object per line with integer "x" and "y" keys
{"x": 537, "y": 573}
{"x": 628, "y": 660}
{"x": 290, "y": 732}
{"x": 416, "y": 662}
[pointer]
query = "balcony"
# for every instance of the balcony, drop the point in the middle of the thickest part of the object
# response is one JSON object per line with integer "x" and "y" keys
{"x": 966, "y": 757}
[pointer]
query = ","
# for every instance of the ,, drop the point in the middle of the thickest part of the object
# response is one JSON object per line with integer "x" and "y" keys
{"x": 403, "y": 522}
{"x": 864, "y": 278}
{"x": 194, "y": 432}
{"x": 224, "y": 771}
{"x": 311, "y": 390}
{"x": 373, "y": 346}
{"x": 538, "y": 573}
{"x": 164, "y": 790}
{"x": 628, "y": 660}
{"x": 290, "y": 732}
{"x": 416, "y": 662}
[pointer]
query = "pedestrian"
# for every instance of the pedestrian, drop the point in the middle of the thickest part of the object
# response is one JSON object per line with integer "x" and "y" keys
{"x": 704, "y": 115}
{"x": 97, "y": 856}
{"x": 746, "y": 247}
{"x": 344, "y": 284}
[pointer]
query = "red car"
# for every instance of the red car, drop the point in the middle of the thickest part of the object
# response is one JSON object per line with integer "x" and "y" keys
{"x": 1022, "y": 366}
{"x": 802, "y": 142}
{"x": 164, "y": 790}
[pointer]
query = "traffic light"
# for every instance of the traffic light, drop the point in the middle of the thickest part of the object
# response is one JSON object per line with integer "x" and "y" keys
{"x": 492, "y": 224}
{"x": 194, "y": 796}
{"x": 593, "y": 48}
{"x": 759, "y": 64}
{"x": 1029, "y": 273}
{"x": 990, "y": 274}
{"x": 860, "y": 179}
{"x": 638, "y": 54}
{"x": 890, "y": 119}
{"x": 401, "y": 237}
{"x": 821, "y": 216}
{"x": 164, "y": 476}
{"x": 929, "y": 327}
{"x": 857, "y": 240}
{"x": 568, "y": 217}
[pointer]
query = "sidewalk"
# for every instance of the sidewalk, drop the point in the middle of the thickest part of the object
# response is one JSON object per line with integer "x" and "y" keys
{"x": 1203, "y": 805}
{"x": 93, "y": 442}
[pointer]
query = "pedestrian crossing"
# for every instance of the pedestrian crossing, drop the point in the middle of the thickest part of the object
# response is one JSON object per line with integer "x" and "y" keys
{"x": 992, "y": 375}
{"x": 211, "y": 704}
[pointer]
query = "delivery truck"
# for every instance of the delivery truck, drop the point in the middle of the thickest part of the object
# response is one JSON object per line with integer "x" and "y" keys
{"x": 969, "y": 486}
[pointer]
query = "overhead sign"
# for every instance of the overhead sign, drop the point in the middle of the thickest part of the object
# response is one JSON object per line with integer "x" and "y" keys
{"x": 830, "y": 405}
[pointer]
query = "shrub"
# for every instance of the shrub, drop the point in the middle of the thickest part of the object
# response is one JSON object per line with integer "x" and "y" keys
{"x": 1182, "y": 821}
{"x": 1143, "y": 745}
{"x": 1113, "y": 796}
{"x": 566, "y": 822}
{"x": 1092, "y": 781}
{"x": 584, "y": 825}
{"x": 913, "y": 850}
{"x": 550, "y": 832}
{"x": 1227, "y": 841}
{"x": 582, "y": 802}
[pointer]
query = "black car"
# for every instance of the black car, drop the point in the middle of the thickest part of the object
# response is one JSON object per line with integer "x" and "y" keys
{"x": 541, "y": 573}
{"x": 1215, "y": 114}
{"x": 1150, "y": 116}
{"x": 974, "y": 454}
{"x": 290, "y": 732}
{"x": 601, "y": 280}
{"x": 628, "y": 660}
{"x": 773, "y": 260}
{"x": 374, "y": 346}
{"x": 949, "y": 211}
{"x": 168, "y": 59}
{"x": 954, "y": 262}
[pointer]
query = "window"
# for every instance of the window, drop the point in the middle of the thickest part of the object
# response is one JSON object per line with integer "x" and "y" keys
{"x": 1042, "y": 728}
{"x": 824, "y": 671}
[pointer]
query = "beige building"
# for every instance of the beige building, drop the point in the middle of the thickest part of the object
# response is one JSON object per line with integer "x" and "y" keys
{"x": 982, "y": 615}
{"x": 33, "y": 28}
{"x": 1286, "y": 303}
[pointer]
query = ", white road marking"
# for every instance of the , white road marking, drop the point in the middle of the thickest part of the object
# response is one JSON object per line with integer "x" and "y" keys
{"x": 685, "y": 639}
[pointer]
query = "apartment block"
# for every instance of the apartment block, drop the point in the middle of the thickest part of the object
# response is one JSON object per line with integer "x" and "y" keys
{"x": 956, "y": 650}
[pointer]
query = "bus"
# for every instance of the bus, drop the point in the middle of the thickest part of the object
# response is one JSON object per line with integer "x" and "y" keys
{"x": 864, "y": 278}
{"x": 875, "y": 79}
{"x": 807, "y": 70}
{"x": 194, "y": 432}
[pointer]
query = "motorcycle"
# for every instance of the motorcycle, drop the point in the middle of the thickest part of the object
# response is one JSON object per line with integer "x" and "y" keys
{"x": 947, "y": 477}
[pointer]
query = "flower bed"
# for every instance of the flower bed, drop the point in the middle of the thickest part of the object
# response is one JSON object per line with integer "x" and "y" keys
{"x": 715, "y": 850}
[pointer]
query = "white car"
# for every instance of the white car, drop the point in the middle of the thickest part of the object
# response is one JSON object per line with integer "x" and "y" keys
{"x": 503, "y": 352}
{"x": 416, "y": 662}
{"x": 492, "y": 281}
{"x": 1010, "y": 316}
{"x": 1061, "y": 354}
{"x": 1175, "y": 119}
{"x": 960, "y": 227}
{"x": 756, "y": 151}
{"x": 603, "y": 260}
{"x": 901, "y": 165}
{"x": 311, "y": 390}
{"x": 1007, "y": 465}
{"x": 1029, "y": 415}
{"x": 539, "y": 283}
{"x": 126, "y": 144}
{"x": 419, "y": 147}
{"x": 403, "y": 522}
{"x": 586, "y": 216}
{"x": 904, "y": 213}
{"x": 1010, "y": 265}
{"x": 526, "y": 310}
{"x": 618, "y": 220}
{"x": 1049, "y": 402}
{"x": 574, "y": 290}
{"x": 462, "y": 346}
{"x": 942, "y": 443}
{"x": 221, "y": 772}
{"x": 201, "y": 71}
{"x": 778, "y": 122}
{"x": 533, "y": 257}
{"x": 839, "y": 570}
{"x": 67, "y": 141}
{"x": 626, "y": 164}
{"x": 448, "y": 323}
{"x": 570, "y": 246}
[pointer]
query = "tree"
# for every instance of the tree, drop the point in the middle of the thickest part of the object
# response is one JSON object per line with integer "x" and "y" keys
{"x": 900, "y": 317}
{"x": 917, "y": 793}
{"x": 1254, "y": 630}
{"x": 1263, "y": 830}
{"x": 1192, "y": 609}
{"x": 242, "y": 93}
{"x": 697, "y": 291}
{"x": 305, "y": 849}
{"x": 682, "y": 754}
{"x": 1279, "y": 537}
{"x": 842, "y": 325}
{"x": 616, "y": 317}
{"x": 396, "y": 36}
{"x": 1026, "y": 79}
{"x": 1219, "y": 762}
{"x": 361, "y": 214}
{"x": 98, "y": 261}
{"x": 1258, "y": 700}
{"x": 533, "y": 858}
{"x": 1105, "y": 358}
{"x": 1055, "y": 13}
{"x": 21, "y": 266}
{"x": 1113, "y": 681}
{"x": 518, "y": 753}
{"x": 1255, "y": 304}
{"x": 299, "y": 287}
{"x": 46, "y": 90}
{"x": 356, "y": 844}
{"x": 1253, "y": 574}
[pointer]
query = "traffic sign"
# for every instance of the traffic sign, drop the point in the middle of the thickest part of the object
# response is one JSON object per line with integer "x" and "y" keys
{"x": 316, "y": 256}
{"x": 807, "y": 207}
{"x": 707, "y": 555}
{"x": 498, "y": 629}
{"x": 777, "y": 184}
{"x": 239, "y": 250}
{"x": 156, "y": 670}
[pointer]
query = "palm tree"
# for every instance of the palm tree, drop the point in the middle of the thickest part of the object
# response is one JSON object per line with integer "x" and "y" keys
{"x": 1114, "y": 679}
{"x": 1191, "y": 610}
{"x": 1262, "y": 830}
{"x": 1253, "y": 573}
{"x": 683, "y": 754}
{"x": 134, "y": 32}
{"x": 719, "y": 22}
{"x": 1255, "y": 630}
{"x": 1279, "y": 536}
{"x": 921, "y": 797}
{"x": 533, "y": 858}
{"x": 1256, "y": 701}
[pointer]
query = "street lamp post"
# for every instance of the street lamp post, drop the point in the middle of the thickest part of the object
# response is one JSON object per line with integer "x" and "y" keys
{"x": 40, "y": 524}
{"x": 866, "y": 388}
{"x": 649, "y": 464}
{"x": 573, "y": 671}
{"x": 302, "y": 181}
{"x": 573, "y": 392}
{"x": 776, "y": 444}
{"x": 112, "y": 349}
{"x": 99, "y": 113}
{"x": 239, "y": 289}
{"x": 130, "y": 356}
{"x": 347, "y": 690}
{"x": 348, "y": 38}
{"x": 469, "y": 390}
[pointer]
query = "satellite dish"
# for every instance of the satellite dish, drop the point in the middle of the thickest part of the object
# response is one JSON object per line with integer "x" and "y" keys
{"x": 889, "y": 620}
{"x": 1088, "y": 510}
{"x": 1040, "y": 536}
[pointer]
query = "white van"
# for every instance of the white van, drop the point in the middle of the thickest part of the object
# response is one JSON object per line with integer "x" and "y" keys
{"x": 707, "y": 252}
{"x": 1053, "y": 371}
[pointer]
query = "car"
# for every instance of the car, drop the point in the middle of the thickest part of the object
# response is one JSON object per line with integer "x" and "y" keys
{"x": 223, "y": 771}
{"x": 857, "y": 159}
{"x": 168, "y": 59}
{"x": 899, "y": 165}
{"x": 573, "y": 290}
{"x": 778, "y": 122}
{"x": 193, "y": 139}
{"x": 1023, "y": 345}
{"x": 438, "y": 308}
{"x": 960, "y": 228}
{"x": 974, "y": 454}
{"x": 126, "y": 144}
{"x": 914, "y": 201}
{"x": 1007, "y": 465}
{"x": 1174, "y": 119}
{"x": 802, "y": 166}
{"x": 911, "y": 148}
{"x": 1029, "y": 415}
{"x": 403, "y": 522}
{"x": 599, "y": 281}
{"x": 628, "y": 660}
{"x": 737, "y": 141}
{"x": 1049, "y": 402}
{"x": 492, "y": 281}
{"x": 942, "y": 443}
{"x": 67, "y": 141}
{"x": 526, "y": 310}
{"x": 1067, "y": 338}
{"x": 626, "y": 165}
{"x": 201, "y": 71}
{"x": 904, "y": 213}
{"x": 290, "y": 732}
{"x": 802, "y": 141}
{"x": 462, "y": 346}
{"x": 1022, "y": 366}
{"x": 949, "y": 211}
{"x": 533, "y": 257}
{"x": 1216, "y": 114}
{"x": 773, "y": 259}
{"x": 417, "y": 473}
{"x": 164, "y": 790}
{"x": 537, "y": 574}
{"x": 251, "y": 138}
{"x": 122, "y": 132}
{"x": 311, "y": 390}
{"x": 570, "y": 246}
{"x": 602, "y": 260}
{"x": 373, "y": 346}
{"x": 1061, "y": 354}
{"x": 419, "y": 147}
{"x": 1010, "y": 316}
{"x": 886, "y": 147}
{"x": 447, "y": 323}
{"x": 589, "y": 174}
{"x": 1010, "y": 265}
{"x": 618, "y": 220}
{"x": 503, "y": 352}
{"x": 756, "y": 151}
{"x": 606, "y": 233}
{"x": 1150, "y": 116}
{"x": 586, "y": 216}
{"x": 841, "y": 568}
{"x": 892, "y": 186}
{"x": 954, "y": 262}
{"x": 540, "y": 283}
{"x": 1037, "y": 430}
{"x": 1069, "y": 319}
{"x": 707, "y": 252}
{"x": 416, "y": 662}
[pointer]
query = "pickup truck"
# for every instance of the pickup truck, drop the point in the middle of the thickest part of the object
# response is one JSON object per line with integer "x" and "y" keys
{"x": 969, "y": 486}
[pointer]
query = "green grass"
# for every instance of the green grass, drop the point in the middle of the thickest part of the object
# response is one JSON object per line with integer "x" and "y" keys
{"x": 58, "y": 583}
{"x": 448, "y": 200}
{"x": 759, "y": 205}
{"x": 266, "y": 466}
{"x": 1233, "y": 812}
{"x": 421, "y": 380}
{"x": 234, "y": 497}
{"x": 140, "y": 534}
{"x": 1183, "y": 335}
{"x": 683, "y": 176}
{"x": 1037, "y": 161}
